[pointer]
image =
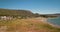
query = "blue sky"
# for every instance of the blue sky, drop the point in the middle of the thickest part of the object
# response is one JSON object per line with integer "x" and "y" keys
{"x": 36, "y": 6}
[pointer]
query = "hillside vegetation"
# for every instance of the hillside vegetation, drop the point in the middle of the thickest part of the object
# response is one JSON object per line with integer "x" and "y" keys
{"x": 10, "y": 12}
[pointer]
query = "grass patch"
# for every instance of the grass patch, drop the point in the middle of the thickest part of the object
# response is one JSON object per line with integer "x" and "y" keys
{"x": 27, "y": 24}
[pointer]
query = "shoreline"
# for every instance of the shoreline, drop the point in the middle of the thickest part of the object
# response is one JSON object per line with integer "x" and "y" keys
{"x": 53, "y": 25}
{"x": 44, "y": 20}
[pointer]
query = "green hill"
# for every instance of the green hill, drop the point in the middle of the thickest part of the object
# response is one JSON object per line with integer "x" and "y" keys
{"x": 14, "y": 12}
{"x": 10, "y": 12}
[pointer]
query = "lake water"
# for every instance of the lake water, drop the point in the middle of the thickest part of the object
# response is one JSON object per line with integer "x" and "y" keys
{"x": 55, "y": 21}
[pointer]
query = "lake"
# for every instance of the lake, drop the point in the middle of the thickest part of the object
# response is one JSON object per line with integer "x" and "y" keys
{"x": 55, "y": 21}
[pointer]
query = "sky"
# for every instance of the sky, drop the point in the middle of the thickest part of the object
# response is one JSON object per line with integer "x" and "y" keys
{"x": 35, "y": 6}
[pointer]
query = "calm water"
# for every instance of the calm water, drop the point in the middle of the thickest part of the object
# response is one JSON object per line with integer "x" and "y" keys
{"x": 55, "y": 21}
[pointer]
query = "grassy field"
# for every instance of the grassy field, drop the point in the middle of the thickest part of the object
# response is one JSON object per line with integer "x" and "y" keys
{"x": 26, "y": 25}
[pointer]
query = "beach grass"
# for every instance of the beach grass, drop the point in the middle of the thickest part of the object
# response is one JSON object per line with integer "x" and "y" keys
{"x": 28, "y": 25}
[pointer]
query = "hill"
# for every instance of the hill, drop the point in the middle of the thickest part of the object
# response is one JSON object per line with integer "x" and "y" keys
{"x": 10, "y": 12}
{"x": 50, "y": 15}
{"x": 14, "y": 12}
